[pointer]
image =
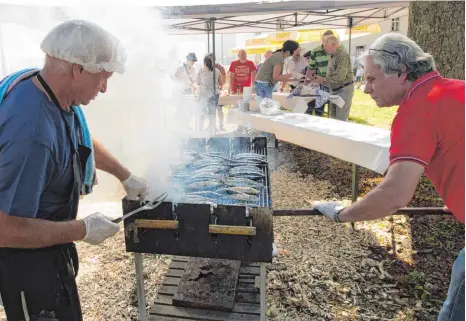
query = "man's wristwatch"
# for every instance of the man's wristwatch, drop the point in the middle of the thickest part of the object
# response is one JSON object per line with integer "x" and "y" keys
{"x": 337, "y": 212}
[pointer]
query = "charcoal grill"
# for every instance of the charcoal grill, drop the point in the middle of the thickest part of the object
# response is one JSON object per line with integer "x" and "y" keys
{"x": 236, "y": 235}
{"x": 227, "y": 231}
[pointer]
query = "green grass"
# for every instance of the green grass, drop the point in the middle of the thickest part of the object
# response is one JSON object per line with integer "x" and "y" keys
{"x": 365, "y": 111}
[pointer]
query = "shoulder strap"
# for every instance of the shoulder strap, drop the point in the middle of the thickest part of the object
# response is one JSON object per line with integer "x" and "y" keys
{"x": 186, "y": 68}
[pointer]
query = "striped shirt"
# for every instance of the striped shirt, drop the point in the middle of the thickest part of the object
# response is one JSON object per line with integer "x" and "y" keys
{"x": 318, "y": 61}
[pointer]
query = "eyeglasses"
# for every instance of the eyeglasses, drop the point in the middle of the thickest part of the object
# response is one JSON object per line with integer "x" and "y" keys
{"x": 381, "y": 50}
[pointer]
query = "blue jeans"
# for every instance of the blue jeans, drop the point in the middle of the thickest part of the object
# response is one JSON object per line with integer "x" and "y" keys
{"x": 263, "y": 90}
{"x": 453, "y": 307}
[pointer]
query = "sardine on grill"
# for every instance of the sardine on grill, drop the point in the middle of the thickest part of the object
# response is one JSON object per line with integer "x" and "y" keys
{"x": 241, "y": 181}
{"x": 253, "y": 176}
{"x": 248, "y": 156}
{"x": 243, "y": 197}
{"x": 206, "y": 194}
{"x": 207, "y": 162}
{"x": 198, "y": 200}
{"x": 211, "y": 169}
{"x": 209, "y": 184}
{"x": 245, "y": 170}
{"x": 239, "y": 189}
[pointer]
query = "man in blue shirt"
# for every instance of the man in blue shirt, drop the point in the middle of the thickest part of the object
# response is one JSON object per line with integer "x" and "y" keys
{"x": 41, "y": 170}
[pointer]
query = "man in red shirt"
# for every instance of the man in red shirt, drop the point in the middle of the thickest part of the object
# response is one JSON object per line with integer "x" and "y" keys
{"x": 242, "y": 71}
{"x": 427, "y": 137}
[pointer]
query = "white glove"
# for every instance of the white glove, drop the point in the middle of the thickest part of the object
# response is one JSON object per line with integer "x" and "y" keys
{"x": 99, "y": 228}
{"x": 135, "y": 187}
{"x": 329, "y": 209}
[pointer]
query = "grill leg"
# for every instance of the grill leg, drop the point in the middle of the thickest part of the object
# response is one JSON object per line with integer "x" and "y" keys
{"x": 263, "y": 292}
{"x": 355, "y": 184}
{"x": 140, "y": 287}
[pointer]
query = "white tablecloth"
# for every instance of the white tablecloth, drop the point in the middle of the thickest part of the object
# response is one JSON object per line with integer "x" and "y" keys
{"x": 289, "y": 104}
{"x": 363, "y": 145}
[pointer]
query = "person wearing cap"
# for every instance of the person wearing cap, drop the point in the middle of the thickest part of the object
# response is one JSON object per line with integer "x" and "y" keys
{"x": 43, "y": 164}
{"x": 186, "y": 74}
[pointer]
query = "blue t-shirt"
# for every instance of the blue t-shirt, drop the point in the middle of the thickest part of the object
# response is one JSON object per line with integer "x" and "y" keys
{"x": 36, "y": 175}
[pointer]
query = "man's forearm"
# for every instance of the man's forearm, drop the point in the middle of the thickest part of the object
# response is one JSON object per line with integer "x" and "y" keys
{"x": 20, "y": 232}
{"x": 106, "y": 162}
{"x": 376, "y": 204}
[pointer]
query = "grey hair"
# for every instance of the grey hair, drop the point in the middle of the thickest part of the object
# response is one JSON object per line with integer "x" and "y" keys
{"x": 332, "y": 39}
{"x": 395, "y": 53}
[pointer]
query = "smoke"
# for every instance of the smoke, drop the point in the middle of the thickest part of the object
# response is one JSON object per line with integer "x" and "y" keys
{"x": 141, "y": 118}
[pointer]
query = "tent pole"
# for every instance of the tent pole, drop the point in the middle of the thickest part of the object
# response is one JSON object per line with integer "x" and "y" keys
{"x": 208, "y": 36}
{"x": 213, "y": 52}
{"x": 350, "y": 26}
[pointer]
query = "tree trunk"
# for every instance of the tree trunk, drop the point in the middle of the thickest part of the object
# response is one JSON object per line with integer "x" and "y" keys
{"x": 438, "y": 28}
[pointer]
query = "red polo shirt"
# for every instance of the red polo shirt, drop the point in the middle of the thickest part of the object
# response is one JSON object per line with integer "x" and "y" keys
{"x": 429, "y": 129}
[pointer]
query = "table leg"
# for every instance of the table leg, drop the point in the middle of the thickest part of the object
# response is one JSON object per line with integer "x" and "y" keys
{"x": 140, "y": 287}
{"x": 355, "y": 184}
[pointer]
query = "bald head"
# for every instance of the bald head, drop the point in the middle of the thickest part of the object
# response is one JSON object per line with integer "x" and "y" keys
{"x": 267, "y": 53}
{"x": 331, "y": 44}
{"x": 242, "y": 56}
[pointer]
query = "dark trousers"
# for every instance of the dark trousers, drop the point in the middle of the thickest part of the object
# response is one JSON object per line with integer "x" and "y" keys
{"x": 311, "y": 106}
{"x": 46, "y": 277}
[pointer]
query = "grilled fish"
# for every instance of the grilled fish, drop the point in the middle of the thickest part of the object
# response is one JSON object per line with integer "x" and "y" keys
{"x": 239, "y": 189}
{"x": 206, "y": 194}
{"x": 243, "y": 197}
{"x": 245, "y": 170}
{"x": 204, "y": 184}
{"x": 204, "y": 177}
{"x": 198, "y": 200}
{"x": 210, "y": 169}
{"x": 241, "y": 181}
{"x": 207, "y": 162}
{"x": 249, "y": 155}
{"x": 213, "y": 155}
{"x": 252, "y": 176}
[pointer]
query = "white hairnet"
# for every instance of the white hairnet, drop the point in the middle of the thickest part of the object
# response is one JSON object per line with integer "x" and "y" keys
{"x": 85, "y": 43}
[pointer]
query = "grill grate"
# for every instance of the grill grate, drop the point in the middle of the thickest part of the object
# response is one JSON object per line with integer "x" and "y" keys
{"x": 226, "y": 147}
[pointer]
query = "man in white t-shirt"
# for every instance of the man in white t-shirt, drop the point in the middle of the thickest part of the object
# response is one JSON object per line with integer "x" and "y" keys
{"x": 185, "y": 74}
{"x": 295, "y": 66}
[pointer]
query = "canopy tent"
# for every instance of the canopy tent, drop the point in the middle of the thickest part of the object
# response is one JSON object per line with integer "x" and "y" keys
{"x": 236, "y": 17}
{"x": 274, "y": 40}
{"x": 283, "y": 15}
{"x": 279, "y": 16}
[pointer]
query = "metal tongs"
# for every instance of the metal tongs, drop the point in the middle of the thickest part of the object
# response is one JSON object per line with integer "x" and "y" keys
{"x": 149, "y": 206}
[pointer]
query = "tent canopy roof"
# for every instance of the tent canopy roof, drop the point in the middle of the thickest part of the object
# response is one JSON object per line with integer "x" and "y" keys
{"x": 283, "y": 15}
{"x": 239, "y": 16}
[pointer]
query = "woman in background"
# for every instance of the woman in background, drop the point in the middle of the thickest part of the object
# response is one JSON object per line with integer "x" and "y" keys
{"x": 208, "y": 94}
{"x": 271, "y": 71}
